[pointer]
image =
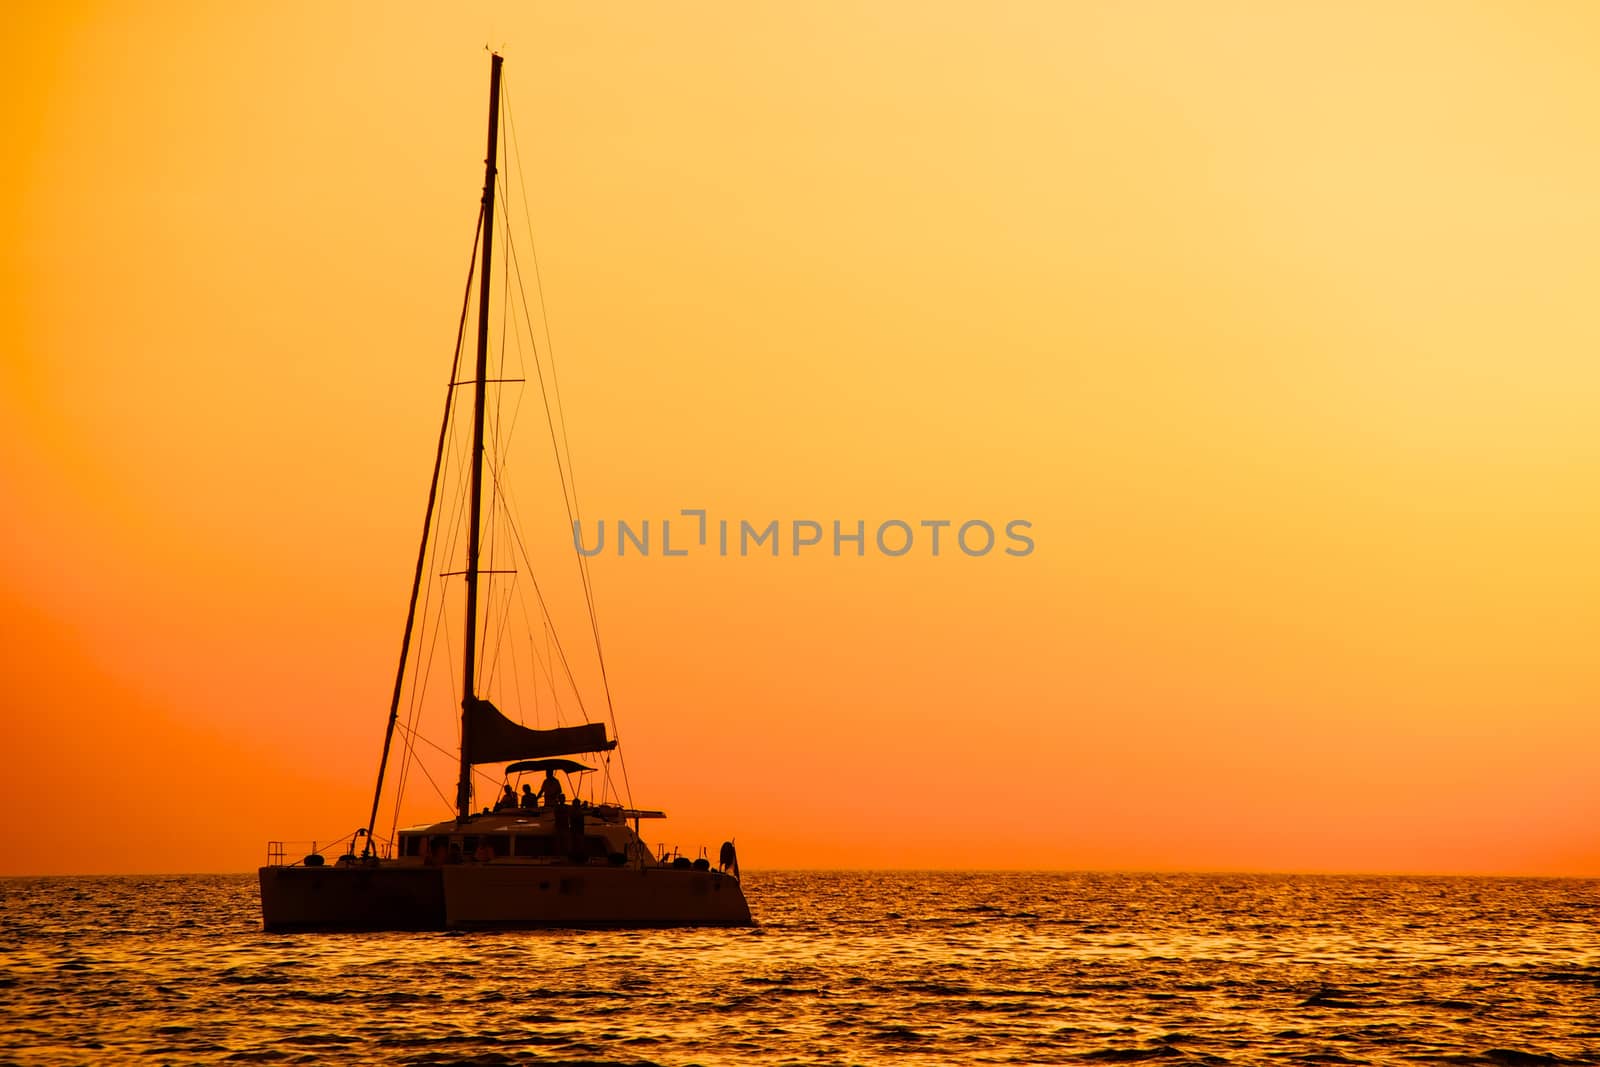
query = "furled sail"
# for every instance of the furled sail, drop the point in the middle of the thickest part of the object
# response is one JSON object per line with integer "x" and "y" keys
{"x": 493, "y": 738}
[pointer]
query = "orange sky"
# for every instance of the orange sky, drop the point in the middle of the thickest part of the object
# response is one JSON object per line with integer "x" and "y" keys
{"x": 1279, "y": 325}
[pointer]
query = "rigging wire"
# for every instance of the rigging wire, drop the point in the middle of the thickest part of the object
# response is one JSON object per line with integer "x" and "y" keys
{"x": 501, "y": 522}
{"x": 500, "y": 509}
{"x": 573, "y": 517}
{"x": 542, "y": 662}
{"x": 422, "y": 551}
{"x": 516, "y": 675}
{"x": 419, "y": 690}
{"x": 499, "y": 512}
{"x": 548, "y": 619}
{"x": 413, "y": 738}
{"x": 445, "y": 545}
{"x": 485, "y": 775}
{"x": 496, "y": 446}
{"x": 421, "y": 680}
{"x": 503, "y": 610}
{"x": 489, "y": 778}
{"x": 511, "y": 342}
{"x": 569, "y": 497}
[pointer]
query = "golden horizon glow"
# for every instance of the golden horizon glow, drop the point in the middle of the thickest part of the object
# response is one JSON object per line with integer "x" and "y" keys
{"x": 1278, "y": 325}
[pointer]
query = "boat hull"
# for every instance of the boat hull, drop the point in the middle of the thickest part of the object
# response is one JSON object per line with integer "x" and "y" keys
{"x": 352, "y": 898}
{"x": 505, "y": 895}
{"x": 492, "y": 895}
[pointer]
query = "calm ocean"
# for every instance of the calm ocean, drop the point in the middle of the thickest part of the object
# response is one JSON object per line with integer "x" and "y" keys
{"x": 846, "y": 967}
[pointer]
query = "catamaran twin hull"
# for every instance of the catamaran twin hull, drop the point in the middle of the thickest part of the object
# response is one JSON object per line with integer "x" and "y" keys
{"x": 557, "y": 864}
{"x": 495, "y": 895}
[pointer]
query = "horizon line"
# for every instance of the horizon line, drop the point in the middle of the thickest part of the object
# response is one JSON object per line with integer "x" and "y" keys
{"x": 1197, "y": 872}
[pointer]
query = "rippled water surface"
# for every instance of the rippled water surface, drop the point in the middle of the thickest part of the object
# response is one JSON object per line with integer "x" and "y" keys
{"x": 845, "y": 968}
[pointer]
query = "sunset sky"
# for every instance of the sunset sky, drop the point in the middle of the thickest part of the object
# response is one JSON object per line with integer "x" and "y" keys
{"x": 1279, "y": 324}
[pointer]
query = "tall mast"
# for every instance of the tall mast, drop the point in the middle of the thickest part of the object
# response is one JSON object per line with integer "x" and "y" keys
{"x": 470, "y": 650}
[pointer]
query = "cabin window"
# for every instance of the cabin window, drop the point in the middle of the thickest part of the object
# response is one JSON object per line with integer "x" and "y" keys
{"x": 411, "y": 846}
{"x": 499, "y": 843}
{"x": 595, "y": 845}
{"x": 532, "y": 845}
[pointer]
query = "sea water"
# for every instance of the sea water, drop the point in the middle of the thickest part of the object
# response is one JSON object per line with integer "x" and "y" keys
{"x": 845, "y": 967}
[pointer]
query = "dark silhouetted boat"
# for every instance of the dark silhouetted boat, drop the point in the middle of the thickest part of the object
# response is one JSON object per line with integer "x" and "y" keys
{"x": 537, "y": 860}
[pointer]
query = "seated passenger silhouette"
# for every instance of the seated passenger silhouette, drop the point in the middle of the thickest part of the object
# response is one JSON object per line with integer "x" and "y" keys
{"x": 508, "y": 800}
{"x": 530, "y": 799}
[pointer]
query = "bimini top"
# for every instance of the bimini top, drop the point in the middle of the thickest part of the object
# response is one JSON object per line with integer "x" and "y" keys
{"x": 568, "y": 765}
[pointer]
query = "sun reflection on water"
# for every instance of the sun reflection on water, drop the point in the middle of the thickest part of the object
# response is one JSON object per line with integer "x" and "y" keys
{"x": 846, "y": 967}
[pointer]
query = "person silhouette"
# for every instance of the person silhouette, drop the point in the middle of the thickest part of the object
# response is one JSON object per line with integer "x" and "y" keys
{"x": 530, "y": 799}
{"x": 550, "y": 792}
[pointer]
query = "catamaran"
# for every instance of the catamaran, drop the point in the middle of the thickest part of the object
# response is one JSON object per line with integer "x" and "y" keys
{"x": 534, "y": 859}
